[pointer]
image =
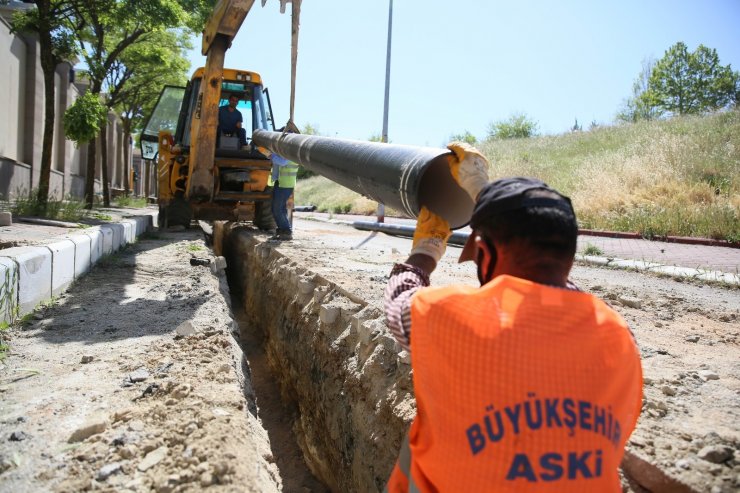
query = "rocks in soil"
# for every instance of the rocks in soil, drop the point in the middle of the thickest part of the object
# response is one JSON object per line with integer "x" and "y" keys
{"x": 18, "y": 436}
{"x": 153, "y": 458}
{"x": 108, "y": 470}
{"x": 708, "y": 375}
{"x": 185, "y": 329}
{"x": 86, "y": 359}
{"x": 92, "y": 427}
{"x": 5, "y": 464}
{"x": 716, "y": 454}
{"x": 139, "y": 375}
{"x": 692, "y": 338}
{"x": 630, "y": 301}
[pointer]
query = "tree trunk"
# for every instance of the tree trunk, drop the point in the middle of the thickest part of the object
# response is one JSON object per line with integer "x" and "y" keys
{"x": 90, "y": 176}
{"x": 126, "y": 159}
{"x": 104, "y": 162}
{"x": 47, "y": 66}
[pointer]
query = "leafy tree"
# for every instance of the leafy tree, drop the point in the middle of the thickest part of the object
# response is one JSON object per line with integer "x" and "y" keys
{"x": 138, "y": 76}
{"x": 684, "y": 82}
{"x": 84, "y": 119}
{"x": 106, "y": 30}
{"x": 464, "y": 137}
{"x": 310, "y": 129}
{"x": 577, "y": 127}
{"x": 639, "y": 106}
{"x": 50, "y": 22}
{"x": 517, "y": 126}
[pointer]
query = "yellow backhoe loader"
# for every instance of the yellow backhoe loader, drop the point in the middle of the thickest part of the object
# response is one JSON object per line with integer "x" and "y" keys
{"x": 203, "y": 172}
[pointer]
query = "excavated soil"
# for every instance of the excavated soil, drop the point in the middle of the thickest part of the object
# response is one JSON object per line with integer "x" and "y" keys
{"x": 101, "y": 393}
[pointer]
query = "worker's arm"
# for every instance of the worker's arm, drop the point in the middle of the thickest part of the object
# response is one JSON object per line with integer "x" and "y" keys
{"x": 405, "y": 280}
{"x": 430, "y": 242}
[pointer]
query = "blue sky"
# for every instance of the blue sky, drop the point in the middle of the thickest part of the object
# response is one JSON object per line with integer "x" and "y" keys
{"x": 459, "y": 65}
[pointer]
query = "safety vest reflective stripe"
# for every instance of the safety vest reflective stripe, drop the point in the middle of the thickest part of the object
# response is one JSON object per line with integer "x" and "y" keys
{"x": 287, "y": 175}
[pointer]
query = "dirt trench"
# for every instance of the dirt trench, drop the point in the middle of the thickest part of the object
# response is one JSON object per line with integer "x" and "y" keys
{"x": 335, "y": 361}
{"x": 318, "y": 302}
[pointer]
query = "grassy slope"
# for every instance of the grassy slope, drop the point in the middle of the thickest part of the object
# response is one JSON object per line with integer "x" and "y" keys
{"x": 675, "y": 177}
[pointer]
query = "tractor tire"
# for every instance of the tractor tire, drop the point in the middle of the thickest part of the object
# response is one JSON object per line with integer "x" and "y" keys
{"x": 176, "y": 213}
{"x": 263, "y": 219}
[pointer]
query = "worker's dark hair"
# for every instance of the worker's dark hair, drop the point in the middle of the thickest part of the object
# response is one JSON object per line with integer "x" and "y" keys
{"x": 552, "y": 230}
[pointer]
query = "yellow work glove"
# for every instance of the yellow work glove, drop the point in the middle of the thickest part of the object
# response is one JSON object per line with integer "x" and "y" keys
{"x": 265, "y": 152}
{"x": 431, "y": 235}
{"x": 468, "y": 167}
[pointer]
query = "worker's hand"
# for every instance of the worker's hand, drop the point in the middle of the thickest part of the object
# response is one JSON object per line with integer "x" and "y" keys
{"x": 468, "y": 167}
{"x": 265, "y": 152}
{"x": 430, "y": 237}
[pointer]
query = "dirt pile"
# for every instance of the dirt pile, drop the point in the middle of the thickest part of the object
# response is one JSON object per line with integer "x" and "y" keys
{"x": 121, "y": 398}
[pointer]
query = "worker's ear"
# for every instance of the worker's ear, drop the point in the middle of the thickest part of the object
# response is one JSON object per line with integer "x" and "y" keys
{"x": 485, "y": 259}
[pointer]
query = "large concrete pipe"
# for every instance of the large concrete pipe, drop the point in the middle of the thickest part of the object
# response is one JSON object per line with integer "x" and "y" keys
{"x": 403, "y": 177}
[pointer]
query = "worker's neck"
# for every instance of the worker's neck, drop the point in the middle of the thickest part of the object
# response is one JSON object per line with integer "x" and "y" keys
{"x": 541, "y": 274}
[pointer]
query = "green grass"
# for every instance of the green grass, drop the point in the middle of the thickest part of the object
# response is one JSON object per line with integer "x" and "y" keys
{"x": 27, "y": 204}
{"x": 590, "y": 249}
{"x": 135, "y": 202}
{"x": 4, "y": 326}
{"x": 677, "y": 177}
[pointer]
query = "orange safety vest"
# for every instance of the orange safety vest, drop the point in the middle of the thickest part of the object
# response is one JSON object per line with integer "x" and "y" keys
{"x": 519, "y": 387}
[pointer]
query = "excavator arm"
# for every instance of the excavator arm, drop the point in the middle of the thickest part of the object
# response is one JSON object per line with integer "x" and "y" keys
{"x": 220, "y": 30}
{"x": 218, "y": 34}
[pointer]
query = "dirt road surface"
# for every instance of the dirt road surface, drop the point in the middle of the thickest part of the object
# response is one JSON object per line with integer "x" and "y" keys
{"x": 100, "y": 392}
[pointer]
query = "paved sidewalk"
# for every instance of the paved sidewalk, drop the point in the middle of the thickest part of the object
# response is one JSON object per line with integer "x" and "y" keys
{"x": 687, "y": 257}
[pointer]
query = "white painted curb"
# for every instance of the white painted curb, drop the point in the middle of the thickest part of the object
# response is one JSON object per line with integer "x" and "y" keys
{"x": 62, "y": 265}
{"x": 669, "y": 270}
{"x": 31, "y": 275}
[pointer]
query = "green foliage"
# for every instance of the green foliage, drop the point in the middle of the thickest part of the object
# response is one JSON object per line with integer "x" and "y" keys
{"x": 517, "y": 126}
{"x": 591, "y": 249}
{"x": 466, "y": 136}
{"x": 84, "y": 119}
{"x": 310, "y": 129}
{"x": 375, "y": 138}
{"x": 54, "y": 19}
{"x": 639, "y": 106}
{"x": 28, "y": 204}
{"x": 129, "y": 201}
{"x": 684, "y": 82}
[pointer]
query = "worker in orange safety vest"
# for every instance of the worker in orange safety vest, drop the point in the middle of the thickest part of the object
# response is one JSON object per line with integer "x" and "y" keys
{"x": 525, "y": 383}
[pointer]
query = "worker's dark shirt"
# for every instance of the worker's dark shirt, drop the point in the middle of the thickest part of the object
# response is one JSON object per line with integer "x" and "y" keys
{"x": 228, "y": 120}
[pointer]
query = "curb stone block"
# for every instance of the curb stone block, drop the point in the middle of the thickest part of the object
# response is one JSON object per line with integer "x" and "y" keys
{"x": 633, "y": 264}
{"x": 129, "y": 231}
{"x": 62, "y": 265}
{"x": 676, "y": 271}
{"x": 118, "y": 238}
{"x": 6, "y": 218}
{"x": 8, "y": 288}
{"x": 82, "y": 254}
{"x": 96, "y": 245}
{"x": 34, "y": 275}
{"x": 107, "y": 233}
{"x": 720, "y": 277}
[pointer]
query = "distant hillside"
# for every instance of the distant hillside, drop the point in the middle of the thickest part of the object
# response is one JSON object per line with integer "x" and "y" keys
{"x": 675, "y": 177}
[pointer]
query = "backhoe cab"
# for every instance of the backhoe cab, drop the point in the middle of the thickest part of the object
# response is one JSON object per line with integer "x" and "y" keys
{"x": 234, "y": 187}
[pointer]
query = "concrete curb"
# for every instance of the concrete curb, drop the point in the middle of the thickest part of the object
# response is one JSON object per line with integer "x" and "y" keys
{"x": 33, "y": 274}
{"x": 669, "y": 270}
